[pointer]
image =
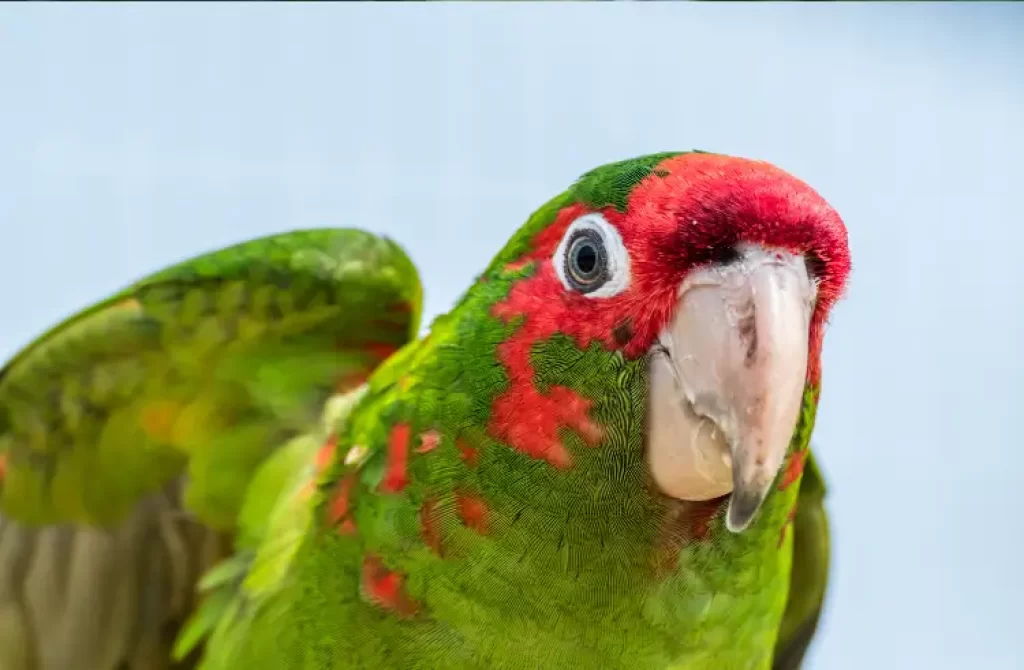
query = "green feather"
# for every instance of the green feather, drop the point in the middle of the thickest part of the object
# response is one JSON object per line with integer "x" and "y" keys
{"x": 204, "y": 367}
{"x": 203, "y": 373}
{"x": 810, "y": 571}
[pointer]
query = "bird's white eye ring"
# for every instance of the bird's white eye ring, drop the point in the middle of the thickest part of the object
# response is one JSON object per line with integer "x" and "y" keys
{"x": 591, "y": 258}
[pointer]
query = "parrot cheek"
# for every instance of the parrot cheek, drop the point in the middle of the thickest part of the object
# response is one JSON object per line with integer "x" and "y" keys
{"x": 727, "y": 379}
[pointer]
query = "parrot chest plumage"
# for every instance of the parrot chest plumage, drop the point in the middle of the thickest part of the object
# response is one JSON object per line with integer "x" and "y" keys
{"x": 451, "y": 534}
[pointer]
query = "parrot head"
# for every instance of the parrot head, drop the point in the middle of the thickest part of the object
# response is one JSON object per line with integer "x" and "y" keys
{"x": 720, "y": 273}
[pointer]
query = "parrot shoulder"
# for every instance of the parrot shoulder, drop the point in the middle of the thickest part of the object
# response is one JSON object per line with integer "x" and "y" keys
{"x": 809, "y": 574}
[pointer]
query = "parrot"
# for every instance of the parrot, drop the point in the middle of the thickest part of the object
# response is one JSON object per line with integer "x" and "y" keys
{"x": 600, "y": 457}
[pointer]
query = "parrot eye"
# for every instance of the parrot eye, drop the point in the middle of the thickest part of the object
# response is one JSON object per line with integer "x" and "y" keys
{"x": 587, "y": 260}
{"x": 591, "y": 258}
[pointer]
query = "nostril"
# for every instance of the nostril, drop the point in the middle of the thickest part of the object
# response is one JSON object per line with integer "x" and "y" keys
{"x": 815, "y": 266}
{"x": 724, "y": 255}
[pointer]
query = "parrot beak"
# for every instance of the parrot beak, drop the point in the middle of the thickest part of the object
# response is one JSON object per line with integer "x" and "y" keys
{"x": 727, "y": 380}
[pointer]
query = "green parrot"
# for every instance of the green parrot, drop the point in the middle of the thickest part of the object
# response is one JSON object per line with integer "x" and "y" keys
{"x": 599, "y": 458}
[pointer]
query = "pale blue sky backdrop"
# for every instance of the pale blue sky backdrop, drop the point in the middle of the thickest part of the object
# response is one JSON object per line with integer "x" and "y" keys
{"x": 132, "y": 136}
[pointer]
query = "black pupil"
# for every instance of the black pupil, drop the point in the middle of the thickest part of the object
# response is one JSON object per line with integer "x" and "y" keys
{"x": 586, "y": 258}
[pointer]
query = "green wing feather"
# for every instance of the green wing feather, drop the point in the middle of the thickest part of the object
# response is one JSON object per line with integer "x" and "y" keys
{"x": 809, "y": 576}
{"x": 217, "y": 373}
{"x": 204, "y": 367}
{"x": 273, "y": 523}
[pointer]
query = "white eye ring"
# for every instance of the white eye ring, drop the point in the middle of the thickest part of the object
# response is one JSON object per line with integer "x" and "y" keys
{"x": 591, "y": 259}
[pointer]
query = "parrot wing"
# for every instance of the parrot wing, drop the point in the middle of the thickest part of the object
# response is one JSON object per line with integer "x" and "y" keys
{"x": 809, "y": 576}
{"x": 137, "y": 437}
{"x": 273, "y": 522}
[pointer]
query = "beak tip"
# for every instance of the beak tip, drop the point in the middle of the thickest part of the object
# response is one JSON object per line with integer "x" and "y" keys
{"x": 743, "y": 507}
